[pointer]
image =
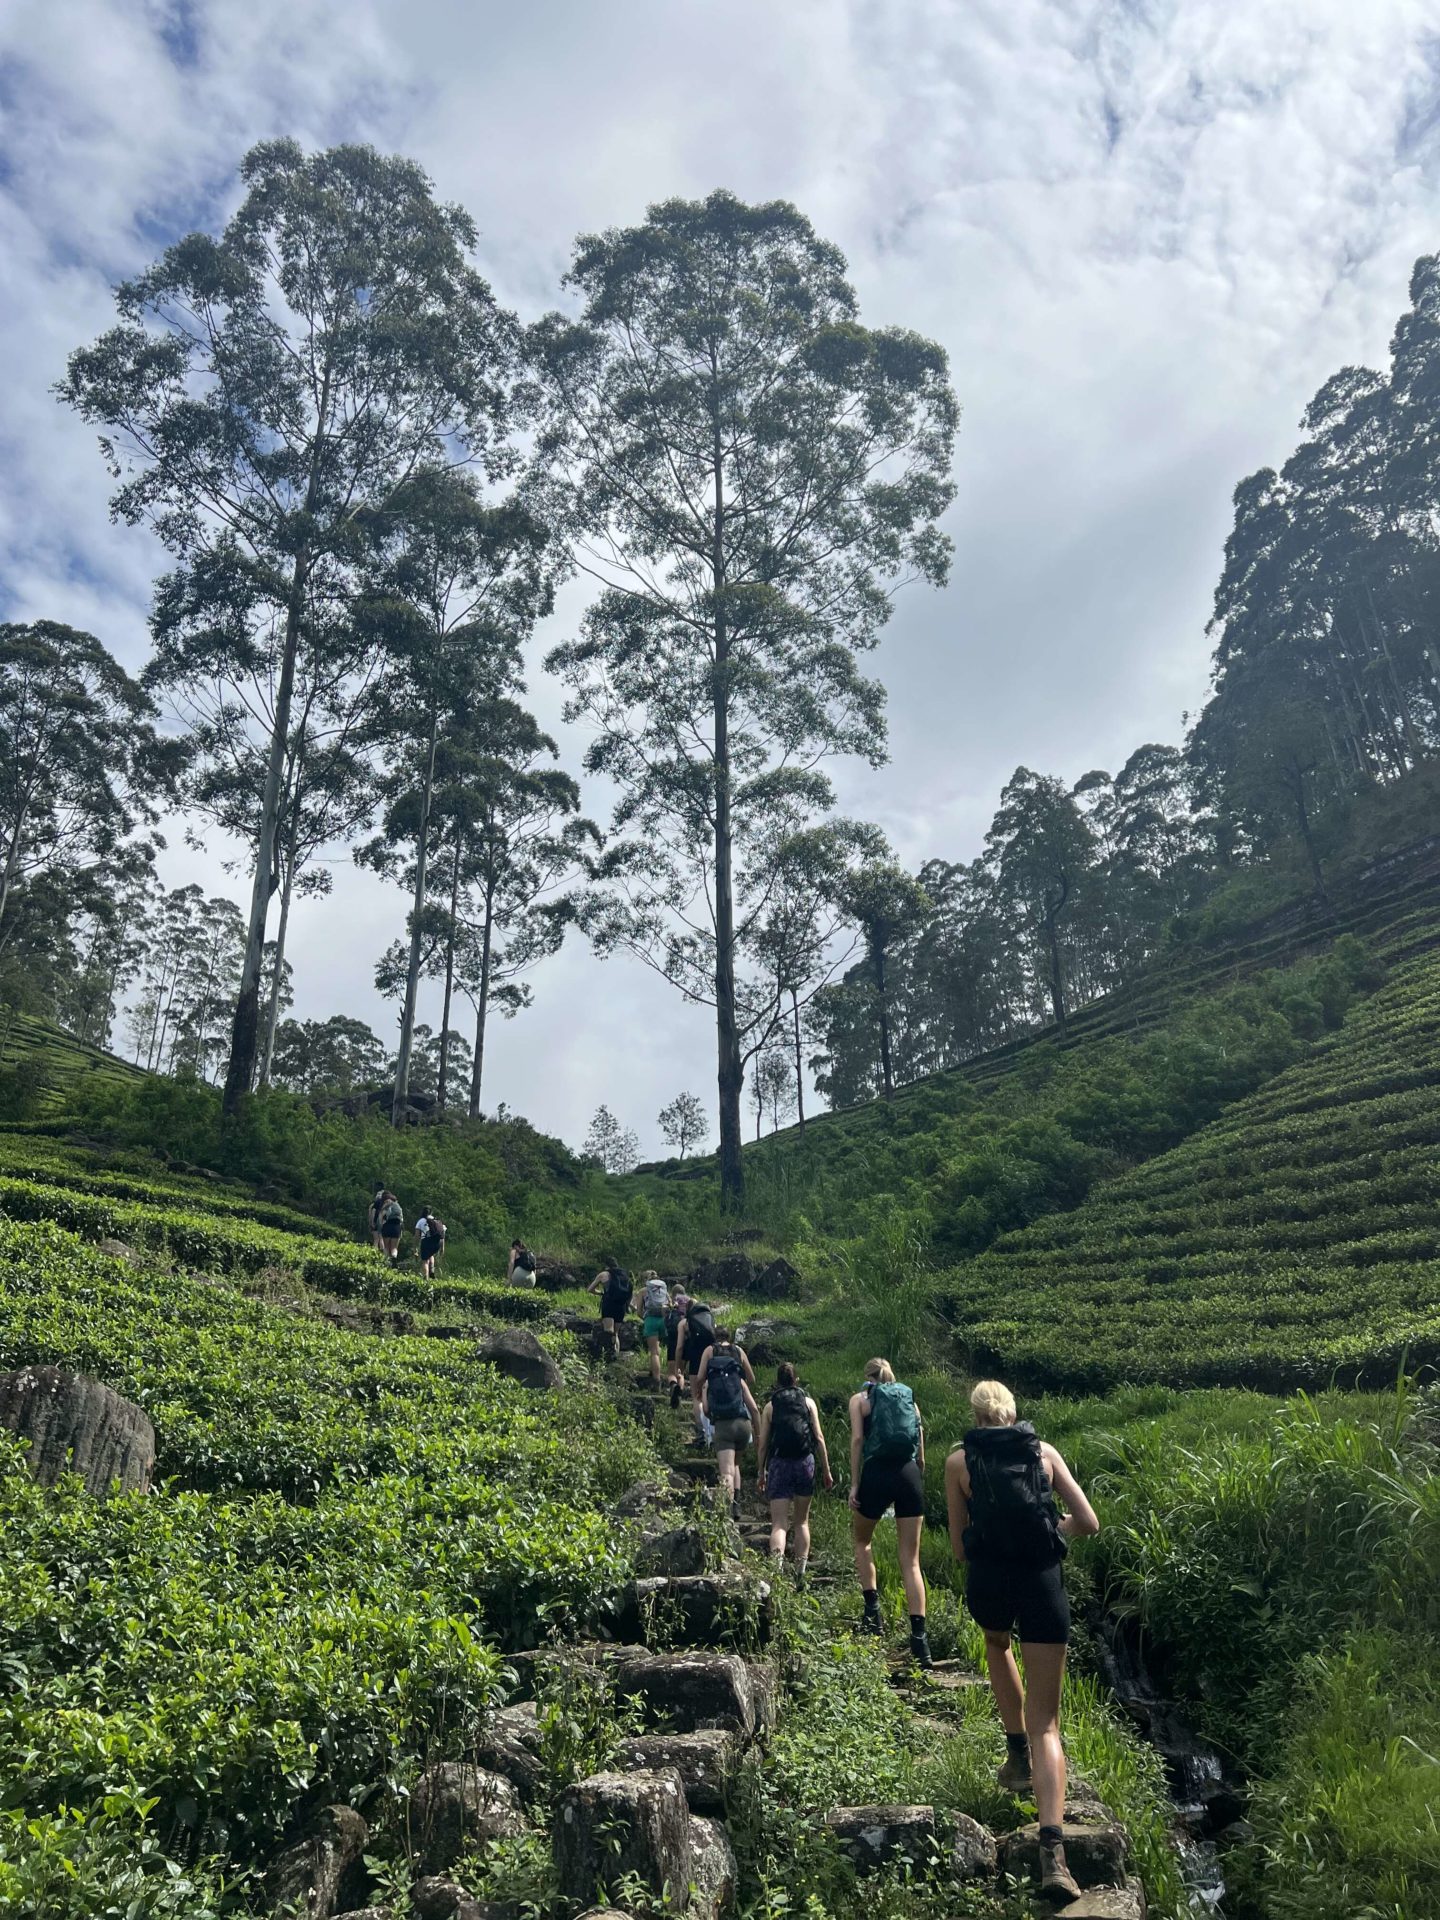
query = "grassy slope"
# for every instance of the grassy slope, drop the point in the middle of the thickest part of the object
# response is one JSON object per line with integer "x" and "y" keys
{"x": 61, "y": 1062}
{"x": 1295, "y": 1238}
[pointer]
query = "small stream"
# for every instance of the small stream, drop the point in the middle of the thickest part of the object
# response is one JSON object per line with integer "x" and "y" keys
{"x": 1208, "y": 1798}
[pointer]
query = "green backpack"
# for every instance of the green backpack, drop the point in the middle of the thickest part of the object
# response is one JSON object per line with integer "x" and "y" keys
{"x": 892, "y": 1435}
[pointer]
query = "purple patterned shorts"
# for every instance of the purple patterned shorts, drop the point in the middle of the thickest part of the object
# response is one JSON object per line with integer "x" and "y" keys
{"x": 789, "y": 1479}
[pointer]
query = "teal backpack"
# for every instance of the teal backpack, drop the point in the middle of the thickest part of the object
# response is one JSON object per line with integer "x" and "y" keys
{"x": 892, "y": 1435}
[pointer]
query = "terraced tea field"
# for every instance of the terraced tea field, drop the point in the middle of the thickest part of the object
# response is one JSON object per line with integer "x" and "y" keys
{"x": 1294, "y": 1240}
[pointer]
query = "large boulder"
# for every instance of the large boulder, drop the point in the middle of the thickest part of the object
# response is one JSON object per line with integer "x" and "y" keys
{"x": 615, "y": 1826}
{"x": 553, "y": 1275}
{"x": 973, "y": 1853}
{"x": 586, "y": 1329}
{"x": 704, "y": 1760}
{"x": 730, "y": 1273}
{"x": 768, "y": 1342}
{"x": 516, "y": 1353}
{"x": 874, "y": 1836}
{"x": 670, "y": 1552}
{"x": 75, "y": 1425}
{"x": 712, "y": 1869}
{"x": 778, "y": 1281}
{"x": 699, "y": 1610}
{"x": 456, "y": 1806}
{"x": 1096, "y": 1851}
{"x": 510, "y": 1745}
{"x": 436, "y": 1897}
{"x": 646, "y": 1500}
{"x": 322, "y": 1871}
{"x": 690, "y": 1691}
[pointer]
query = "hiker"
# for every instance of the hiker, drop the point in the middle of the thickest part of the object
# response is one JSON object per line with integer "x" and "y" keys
{"x": 790, "y": 1438}
{"x": 431, "y": 1234}
{"x": 695, "y": 1337}
{"x": 729, "y": 1406}
{"x": 654, "y": 1305}
{"x": 674, "y": 1320}
{"x": 1005, "y": 1527}
{"x": 377, "y": 1202}
{"x": 392, "y": 1225}
{"x": 612, "y": 1283}
{"x": 520, "y": 1267}
{"x": 887, "y": 1469}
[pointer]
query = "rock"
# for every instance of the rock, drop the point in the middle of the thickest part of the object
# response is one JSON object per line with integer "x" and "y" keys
{"x": 510, "y": 1745}
{"x": 323, "y": 1871}
{"x": 671, "y": 1553}
{"x": 767, "y": 1341}
{"x": 1110, "y": 1903}
{"x": 644, "y": 1499}
{"x": 1083, "y": 1802}
{"x": 874, "y": 1836}
{"x": 712, "y": 1869}
{"x": 586, "y": 1329}
{"x": 704, "y": 1761}
{"x": 434, "y": 1897}
{"x": 120, "y": 1250}
{"x": 367, "y": 1913}
{"x": 455, "y": 1806}
{"x": 974, "y": 1855}
{"x": 699, "y": 1610}
{"x": 553, "y": 1275}
{"x": 515, "y": 1352}
{"x": 731, "y": 1273}
{"x": 615, "y": 1825}
{"x": 604, "y": 1913}
{"x": 1097, "y": 1852}
{"x": 340, "y": 1314}
{"x": 778, "y": 1281}
{"x": 75, "y": 1425}
{"x": 690, "y": 1691}
{"x": 765, "y": 1691}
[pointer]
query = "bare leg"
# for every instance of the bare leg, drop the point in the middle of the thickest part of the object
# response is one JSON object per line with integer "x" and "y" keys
{"x": 800, "y": 1513}
{"x": 654, "y": 1344}
{"x": 611, "y": 1338}
{"x": 729, "y": 1478}
{"x": 779, "y": 1526}
{"x": 907, "y": 1534}
{"x": 862, "y": 1533}
{"x": 1044, "y": 1675}
{"x": 1005, "y": 1682}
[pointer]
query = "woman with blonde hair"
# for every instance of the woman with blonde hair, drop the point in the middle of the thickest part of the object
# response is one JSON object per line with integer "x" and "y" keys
{"x": 887, "y": 1469}
{"x": 1005, "y": 1527}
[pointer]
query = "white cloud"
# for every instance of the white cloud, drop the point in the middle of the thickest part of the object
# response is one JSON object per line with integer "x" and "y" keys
{"x": 1145, "y": 229}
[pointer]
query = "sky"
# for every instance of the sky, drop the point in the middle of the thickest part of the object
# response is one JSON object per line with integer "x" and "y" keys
{"x": 1144, "y": 230}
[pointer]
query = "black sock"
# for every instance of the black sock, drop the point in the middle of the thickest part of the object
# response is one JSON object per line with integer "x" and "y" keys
{"x": 917, "y": 1625}
{"x": 1019, "y": 1746}
{"x": 871, "y": 1597}
{"x": 1051, "y": 1836}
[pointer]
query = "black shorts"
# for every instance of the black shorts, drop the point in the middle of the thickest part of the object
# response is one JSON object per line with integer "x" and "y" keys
{"x": 613, "y": 1309}
{"x": 1002, "y": 1597}
{"x": 429, "y": 1248}
{"x": 883, "y": 1485}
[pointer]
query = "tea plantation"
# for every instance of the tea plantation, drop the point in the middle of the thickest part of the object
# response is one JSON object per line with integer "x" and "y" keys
{"x": 1294, "y": 1241}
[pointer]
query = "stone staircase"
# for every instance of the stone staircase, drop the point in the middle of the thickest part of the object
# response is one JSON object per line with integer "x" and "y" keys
{"x": 691, "y": 1664}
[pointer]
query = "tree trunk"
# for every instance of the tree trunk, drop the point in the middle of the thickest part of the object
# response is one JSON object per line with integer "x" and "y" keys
{"x": 799, "y": 1064}
{"x": 272, "y": 1012}
{"x": 887, "y": 1073}
{"x": 1302, "y": 816}
{"x": 417, "y": 913}
{"x": 1057, "y": 976}
{"x": 730, "y": 1072}
{"x": 482, "y": 1003}
{"x": 449, "y": 978}
{"x": 245, "y": 1031}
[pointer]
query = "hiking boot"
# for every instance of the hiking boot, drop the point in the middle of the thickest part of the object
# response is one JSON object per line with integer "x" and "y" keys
{"x": 870, "y": 1623}
{"x": 735, "y": 1509}
{"x": 920, "y": 1650}
{"x": 1014, "y": 1776}
{"x": 1057, "y": 1884}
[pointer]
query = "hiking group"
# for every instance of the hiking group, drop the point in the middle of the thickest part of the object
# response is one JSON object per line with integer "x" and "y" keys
{"x": 386, "y": 1223}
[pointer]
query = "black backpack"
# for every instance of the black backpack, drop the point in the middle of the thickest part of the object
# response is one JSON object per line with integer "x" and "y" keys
{"x": 724, "y": 1384}
{"x": 525, "y": 1262}
{"x": 700, "y": 1322}
{"x": 1013, "y": 1516}
{"x": 618, "y": 1287}
{"x": 791, "y": 1437}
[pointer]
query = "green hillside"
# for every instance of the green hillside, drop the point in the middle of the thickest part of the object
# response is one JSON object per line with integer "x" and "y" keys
{"x": 1295, "y": 1239}
{"x": 42, "y": 1067}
